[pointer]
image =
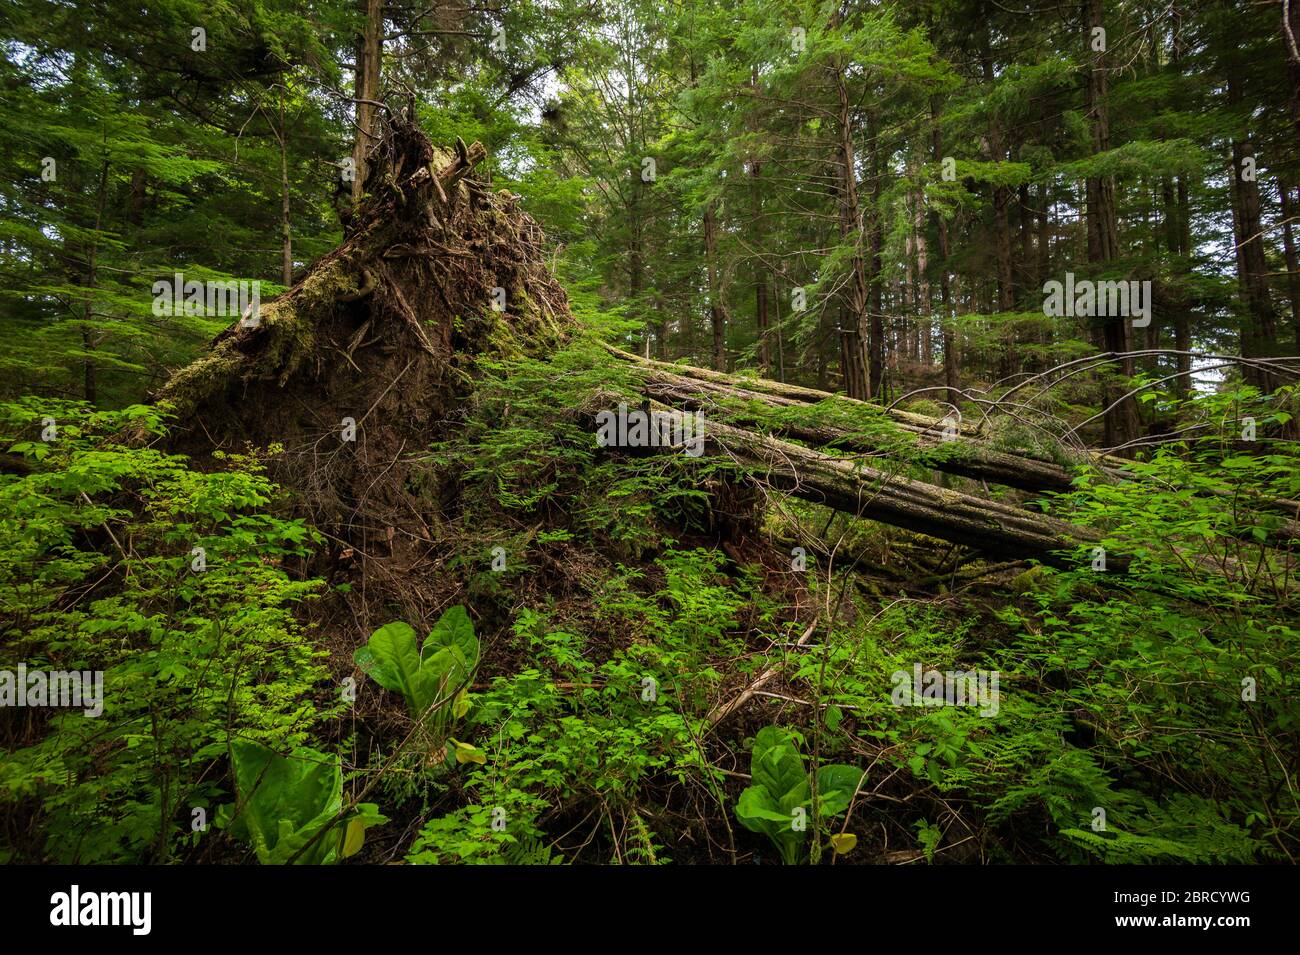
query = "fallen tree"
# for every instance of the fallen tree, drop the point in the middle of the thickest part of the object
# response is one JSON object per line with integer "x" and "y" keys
{"x": 370, "y": 355}
{"x": 386, "y": 330}
{"x": 967, "y": 459}
{"x": 966, "y": 456}
{"x": 793, "y": 393}
{"x": 989, "y": 526}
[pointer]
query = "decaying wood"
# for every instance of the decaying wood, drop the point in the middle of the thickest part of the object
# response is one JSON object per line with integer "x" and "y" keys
{"x": 794, "y": 393}
{"x": 699, "y": 388}
{"x": 989, "y": 526}
{"x": 969, "y": 459}
{"x": 723, "y": 710}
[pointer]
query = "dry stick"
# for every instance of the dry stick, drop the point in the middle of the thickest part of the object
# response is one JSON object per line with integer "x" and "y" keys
{"x": 104, "y": 524}
{"x": 720, "y": 713}
{"x": 1150, "y": 384}
{"x": 1105, "y": 358}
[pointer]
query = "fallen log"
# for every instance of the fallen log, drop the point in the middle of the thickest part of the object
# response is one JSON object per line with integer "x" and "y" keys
{"x": 846, "y": 485}
{"x": 992, "y": 527}
{"x": 967, "y": 458}
{"x": 793, "y": 393}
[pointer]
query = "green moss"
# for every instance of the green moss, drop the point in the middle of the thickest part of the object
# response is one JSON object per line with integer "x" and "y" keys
{"x": 201, "y": 379}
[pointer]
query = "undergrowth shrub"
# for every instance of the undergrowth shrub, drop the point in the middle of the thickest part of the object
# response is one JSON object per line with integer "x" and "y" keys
{"x": 101, "y": 570}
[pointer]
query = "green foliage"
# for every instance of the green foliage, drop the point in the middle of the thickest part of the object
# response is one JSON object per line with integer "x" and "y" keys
{"x": 477, "y": 835}
{"x": 434, "y": 681}
{"x": 1162, "y": 692}
{"x": 98, "y": 572}
{"x": 285, "y": 801}
{"x": 779, "y": 803}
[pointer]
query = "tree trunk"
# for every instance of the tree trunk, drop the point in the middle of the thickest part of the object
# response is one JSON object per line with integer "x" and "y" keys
{"x": 89, "y": 382}
{"x": 1175, "y": 207}
{"x": 948, "y": 325}
{"x": 1001, "y": 220}
{"x": 796, "y": 393}
{"x": 1291, "y": 44}
{"x": 369, "y": 56}
{"x": 970, "y": 458}
{"x": 1121, "y": 420}
{"x": 1027, "y": 273}
{"x": 988, "y": 526}
{"x": 1260, "y": 324}
{"x": 875, "y": 294}
{"x": 286, "y": 228}
{"x": 925, "y": 328}
{"x": 716, "y": 315}
{"x": 1292, "y": 263}
{"x": 1043, "y": 270}
{"x": 761, "y": 320}
{"x": 854, "y": 323}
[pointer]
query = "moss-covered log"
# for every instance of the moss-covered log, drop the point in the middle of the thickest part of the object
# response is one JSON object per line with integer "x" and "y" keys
{"x": 966, "y": 458}
{"x": 989, "y": 526}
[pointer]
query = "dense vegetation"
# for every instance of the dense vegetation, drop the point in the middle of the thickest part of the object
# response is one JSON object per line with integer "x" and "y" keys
{"x": 363, "y": 583}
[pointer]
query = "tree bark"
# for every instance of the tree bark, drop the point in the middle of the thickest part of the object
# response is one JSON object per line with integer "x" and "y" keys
{"x": 924, "y": 326}
{"x": 1259, "y": 326}
{"x": 854, "y": 323}
{"x": 968, "y": 459}
{"x": 1290, "y": 22}
{"x": 781, "y": 390}
{"x": 369, "y": 65}
{"x": 875, "y": 294}
{"x": 761, "y": 318}
{"x": 1121, "y": 421}
{"x": 716, "y": 316}
{"x": 948, "y": 328}
{"x": 1174, "y": 198}
{"x": 286, "y": 225}
{"x": 988, "y": 526}
{"x": 1292, "y": 262}
{"x": 1001, "y": 220}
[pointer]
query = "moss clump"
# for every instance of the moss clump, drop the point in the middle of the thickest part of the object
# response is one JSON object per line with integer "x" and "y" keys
{"x": 201, "y": 380}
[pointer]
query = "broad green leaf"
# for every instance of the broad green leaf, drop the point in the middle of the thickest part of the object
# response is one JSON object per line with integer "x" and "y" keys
{"x": 454, "y": 629}
{"x": 284, "y": 800}
{"x": 759, "y": 812}
{"x": 390, "y": 658}
{"x": 836, "y": 785}
{"x": 775, "y": 763}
